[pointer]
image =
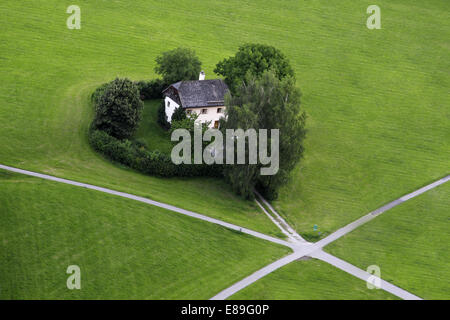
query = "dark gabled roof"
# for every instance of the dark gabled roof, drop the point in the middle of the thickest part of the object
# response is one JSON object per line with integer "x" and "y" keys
{"x": 201, "y": 93}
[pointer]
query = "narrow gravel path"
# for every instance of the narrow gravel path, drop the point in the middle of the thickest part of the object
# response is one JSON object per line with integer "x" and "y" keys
{"x": 154, "y": 203}
{"x": 314, "y": 250}
{"x": 363, "y": 275}
{"x": 300, "y": 247}
{"x": 352, "y": 226}
{"x": 238, "y": 286}
{"x": 279, "y": 221}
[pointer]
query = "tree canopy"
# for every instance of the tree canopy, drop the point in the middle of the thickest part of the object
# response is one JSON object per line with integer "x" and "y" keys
{"x": 118, "y": 108}
{"x": 266, "y": 103}
{"x": 178, "y": 64}
{"x": 178, "y": 114}
{"x": 254, "y": 59}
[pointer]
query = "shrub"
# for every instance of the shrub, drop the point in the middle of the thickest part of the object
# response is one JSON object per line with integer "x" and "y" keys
{"x": 162, "y": 117}
{"x": 118, "y": 111}
{"x": 151, "y": 89}
{"x": 135, "y": 155}
{"x": 98, "y": 93}
{"x": 189, "y": 122}
{"x": 179, "y": 114}
{"x": 118, "y": 108}
{"x": 118, "y": 150}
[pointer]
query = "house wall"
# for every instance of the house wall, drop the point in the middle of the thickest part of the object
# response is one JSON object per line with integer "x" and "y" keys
{"x": 211, "y": 114}
{"x": 170, "y": 107}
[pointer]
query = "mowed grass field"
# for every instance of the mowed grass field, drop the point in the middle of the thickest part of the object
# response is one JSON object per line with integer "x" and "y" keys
{"x": 50, "y": 72}
{"x": 377, "y": 100}
{"x": 377, "y": 104}
{"x": 150, "y": 133}
{"x": 125, "y": 249}
{"x": 309, "y": 280}
{"x": 379, "y": 108}
{"x": 409, "y": 243}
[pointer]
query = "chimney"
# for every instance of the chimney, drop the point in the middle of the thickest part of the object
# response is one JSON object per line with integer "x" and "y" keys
{"x": 202, "y": 75}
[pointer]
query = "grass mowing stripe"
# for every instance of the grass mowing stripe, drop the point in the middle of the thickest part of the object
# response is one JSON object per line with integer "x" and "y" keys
{"x": 309, "y": 280}
{"x": 125, "y": 249}
{"x": 409, "y": 244}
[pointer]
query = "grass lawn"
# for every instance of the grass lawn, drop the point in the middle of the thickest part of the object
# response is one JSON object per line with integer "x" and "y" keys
{"x": 150, "y": 132}
{"x": 49, "y": 73}
{"x": 409, "y": 243}
{"x": 125, "y": 249}
{"x": 378, "y": 105}
{"x": 309, "y": 280}
{"x": 377, "y": 100}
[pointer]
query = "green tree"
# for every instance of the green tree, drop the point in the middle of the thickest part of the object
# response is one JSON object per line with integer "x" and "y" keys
{"x": 254, "y": 59}
{"x": 178, "y": 114}
{"x": 162, "y": 117}
{"x": 118, "y": 109}
{"x": 266, "y": 103}
{"x": 189, "y": 122}
{"x": 178, "y": 64}
{"x": 241, "y": 177}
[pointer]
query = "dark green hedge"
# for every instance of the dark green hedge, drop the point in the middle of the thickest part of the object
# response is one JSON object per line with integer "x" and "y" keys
{"x": 136, "y": 156}
{"x": 148, "y": 90}
{"x": 162, "y": 117}
{"x": 151, "y": 89}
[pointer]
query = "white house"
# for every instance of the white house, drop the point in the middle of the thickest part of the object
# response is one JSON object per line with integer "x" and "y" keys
{"x": 204, "y": 97}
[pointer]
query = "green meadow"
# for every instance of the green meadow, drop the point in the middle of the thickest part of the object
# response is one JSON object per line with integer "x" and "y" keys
{"x": 409, "y": 244}
{"x": 377, "y": 100}
{"x": 378, "y": 105}
{"x": 154, "y": 137}
{"x": 125, "y": 249}
{"x": 378, "y": 127}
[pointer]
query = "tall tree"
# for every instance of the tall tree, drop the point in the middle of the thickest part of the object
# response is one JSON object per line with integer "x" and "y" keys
{"x": 179, "y": 114}
{"x": 240, "y": 115}
{"x": 178, "y": 64}
{"x": 254, "y": 59}
{"x": 118, "y": 108}
{"x": 266, "y": 103}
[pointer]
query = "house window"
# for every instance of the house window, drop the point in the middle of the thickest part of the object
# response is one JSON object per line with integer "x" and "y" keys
{"x": 204, "y": 111}
{"x": 219, "y": 110}
{"x": 168, "y": 104}
{"x": 188, "y": 111}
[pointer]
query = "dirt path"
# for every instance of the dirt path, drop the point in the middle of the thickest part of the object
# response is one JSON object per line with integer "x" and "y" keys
{"x": 300, "y": 247}
{"x": 153, "y": 203}
{"x": 314, "y": 250}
